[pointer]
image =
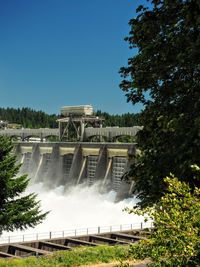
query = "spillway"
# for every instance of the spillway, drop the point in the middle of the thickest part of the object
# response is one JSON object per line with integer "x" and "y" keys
{"x": 67, "y": 164}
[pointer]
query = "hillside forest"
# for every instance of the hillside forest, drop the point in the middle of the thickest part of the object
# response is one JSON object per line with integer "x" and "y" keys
{"x": 29, "y": 118}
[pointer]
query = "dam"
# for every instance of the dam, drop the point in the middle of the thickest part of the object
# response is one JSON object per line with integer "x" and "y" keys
{"x": 95, "y": 156}
{"x": 74, "y": 163}
{"x": 78, "y": 178}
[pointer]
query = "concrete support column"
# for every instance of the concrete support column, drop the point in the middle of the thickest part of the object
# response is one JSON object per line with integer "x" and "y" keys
{"x": 60, "y": 130}
{"x": 82, "y": 131}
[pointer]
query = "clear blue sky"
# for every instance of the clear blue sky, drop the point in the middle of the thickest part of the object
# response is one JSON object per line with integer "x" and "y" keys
{"x": 64, "y": 52}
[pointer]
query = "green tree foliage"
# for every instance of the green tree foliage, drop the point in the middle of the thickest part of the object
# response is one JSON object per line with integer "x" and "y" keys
{"x": 176, "y": 238}
{"x": 28, "y": 118}
{"x": 124, "y": 120}
{"x": 17, "y": 209}
{"x": 165, "y": 77}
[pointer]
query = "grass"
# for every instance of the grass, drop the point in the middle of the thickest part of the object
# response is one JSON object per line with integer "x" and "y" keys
{"x": 76, "y": 257}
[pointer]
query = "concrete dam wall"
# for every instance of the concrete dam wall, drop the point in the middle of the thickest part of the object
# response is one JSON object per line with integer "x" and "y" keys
{"x": 68, "y": 164}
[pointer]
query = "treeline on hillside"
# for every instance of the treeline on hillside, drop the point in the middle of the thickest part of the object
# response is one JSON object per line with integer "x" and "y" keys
{"x": 124, "y": 120}
{"x": 29, "y": 118}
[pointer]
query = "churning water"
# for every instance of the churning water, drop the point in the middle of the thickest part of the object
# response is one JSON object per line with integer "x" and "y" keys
{"x": 80, "y": 206}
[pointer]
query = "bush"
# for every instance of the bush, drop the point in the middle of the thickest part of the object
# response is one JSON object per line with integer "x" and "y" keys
{"x": 176, "y": 238}
{"x": 76, "y": 257}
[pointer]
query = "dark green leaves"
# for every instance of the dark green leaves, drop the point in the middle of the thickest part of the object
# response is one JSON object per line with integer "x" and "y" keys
{"x": 164, "y": 77}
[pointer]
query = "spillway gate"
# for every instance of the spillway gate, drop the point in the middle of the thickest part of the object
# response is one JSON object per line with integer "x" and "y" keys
{"x": 68, "y": 164}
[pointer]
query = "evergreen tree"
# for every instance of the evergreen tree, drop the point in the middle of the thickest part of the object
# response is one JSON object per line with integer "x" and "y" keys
{"x": 124, "y": 120}
{"x": 17, "y": 209}
{"x": 165, "y": 77}
{"x": 29, "y": 118}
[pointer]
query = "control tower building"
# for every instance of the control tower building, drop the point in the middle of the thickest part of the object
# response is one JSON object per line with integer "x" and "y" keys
{"x": 74, "y": 119}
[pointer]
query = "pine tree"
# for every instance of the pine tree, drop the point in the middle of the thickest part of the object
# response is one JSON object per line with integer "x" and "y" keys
{"x": 17, "y": 209}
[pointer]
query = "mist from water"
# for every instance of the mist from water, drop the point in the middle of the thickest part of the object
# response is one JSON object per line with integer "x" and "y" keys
{"x": 80, "y": 206}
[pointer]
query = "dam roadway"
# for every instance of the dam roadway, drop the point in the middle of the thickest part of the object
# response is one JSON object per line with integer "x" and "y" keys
{"x": 108, "y": 133}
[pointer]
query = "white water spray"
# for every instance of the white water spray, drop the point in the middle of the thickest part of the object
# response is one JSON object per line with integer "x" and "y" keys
{"x": 22, "y": 159}
{"x": 107, "y": 172}
{"x": 82, "y": 169}
{"x": 38, "y": 169}
{"x": 79, "y": 207}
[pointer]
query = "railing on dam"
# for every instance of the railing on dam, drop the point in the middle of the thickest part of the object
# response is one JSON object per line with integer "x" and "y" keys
{"x": 75, "y": 232}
